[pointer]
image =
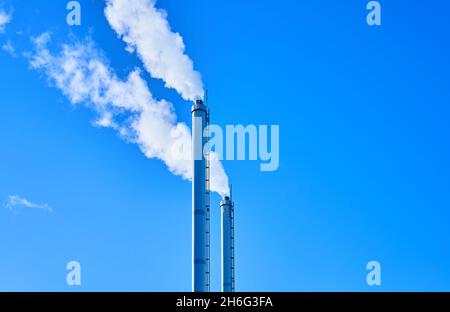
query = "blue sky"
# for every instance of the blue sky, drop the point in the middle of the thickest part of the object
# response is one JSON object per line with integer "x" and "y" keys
{"x": 364, "y": 174}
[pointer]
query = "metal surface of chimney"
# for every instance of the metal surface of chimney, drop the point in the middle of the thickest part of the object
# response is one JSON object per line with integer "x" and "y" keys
{"x": 228, "y": 265}
{"x": 200, "y": 202}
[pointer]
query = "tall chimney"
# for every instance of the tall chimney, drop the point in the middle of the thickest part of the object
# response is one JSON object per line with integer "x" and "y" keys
{"x": 200, "y": 202}
{"x": 228, "y": 265}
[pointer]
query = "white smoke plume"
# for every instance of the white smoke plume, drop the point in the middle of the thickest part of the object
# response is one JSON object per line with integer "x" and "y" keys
{"x": 83, "y": 75}
{"x": 145, "y": 29}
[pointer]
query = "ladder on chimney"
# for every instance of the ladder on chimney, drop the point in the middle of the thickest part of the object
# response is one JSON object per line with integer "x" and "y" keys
{"x": 208, "y": 206}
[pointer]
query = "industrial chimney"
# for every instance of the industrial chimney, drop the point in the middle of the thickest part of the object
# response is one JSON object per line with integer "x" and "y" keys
{"x": 228, "y": 266}
{"x": 200, "y": 201}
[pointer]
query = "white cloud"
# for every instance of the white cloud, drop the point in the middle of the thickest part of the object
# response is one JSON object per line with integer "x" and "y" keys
{"x": 15, "y": 202}
{"x": 145, "y": 28}
{"x": 82, "y": 73}
{"x": 9, "y": 48}
{"x": 5, "y": 18}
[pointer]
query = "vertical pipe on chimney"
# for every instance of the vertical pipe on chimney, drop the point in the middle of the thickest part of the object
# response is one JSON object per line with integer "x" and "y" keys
{"x": 199, "y": 213}
{"x": 228, "y": 265}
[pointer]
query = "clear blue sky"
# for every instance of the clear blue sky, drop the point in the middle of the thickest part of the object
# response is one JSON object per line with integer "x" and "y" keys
{"x": 364, "y": 160}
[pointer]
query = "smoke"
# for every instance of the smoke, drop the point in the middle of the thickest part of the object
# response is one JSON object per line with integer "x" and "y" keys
{"x": 5, "y": 18}
{"x": 145, "y": 29}
{"x": 84, "y": 76}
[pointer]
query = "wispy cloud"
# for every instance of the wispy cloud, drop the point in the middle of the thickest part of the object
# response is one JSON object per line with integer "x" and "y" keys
{"x": 9, "y": 48}
{"x": 15, "y": 202}
{"x": 5, "y": 18}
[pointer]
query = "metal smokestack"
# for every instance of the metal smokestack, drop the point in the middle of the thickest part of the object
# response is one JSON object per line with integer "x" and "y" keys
{"x": 200, "y": 201}
{"x": 228, "y": 265}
